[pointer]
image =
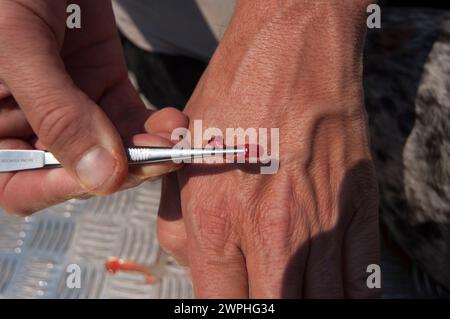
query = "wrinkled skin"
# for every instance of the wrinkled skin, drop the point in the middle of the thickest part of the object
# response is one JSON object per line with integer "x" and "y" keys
{"x": 308, "y": 231}
{"x": 311, "y": 229}
{"x": 67, "y": 91}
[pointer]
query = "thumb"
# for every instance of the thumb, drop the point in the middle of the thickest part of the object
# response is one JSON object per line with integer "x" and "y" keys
{"x": 67, "y": 122}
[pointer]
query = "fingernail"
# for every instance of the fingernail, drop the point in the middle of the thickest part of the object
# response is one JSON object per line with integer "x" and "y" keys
{"x": 95, "y": 168}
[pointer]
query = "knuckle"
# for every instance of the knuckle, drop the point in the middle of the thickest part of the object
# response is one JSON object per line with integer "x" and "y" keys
{"x": 275, "y": 219}
{"x": 274, "y": 206}
{"x": 212, "y": 229}
{"x": 274, "y": 227}
{"x": 58, "y": 126}
{"x": 212, "y": 232}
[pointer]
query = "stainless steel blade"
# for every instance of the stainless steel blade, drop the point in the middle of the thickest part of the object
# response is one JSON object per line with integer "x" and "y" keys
{"x": 17, "y": 160}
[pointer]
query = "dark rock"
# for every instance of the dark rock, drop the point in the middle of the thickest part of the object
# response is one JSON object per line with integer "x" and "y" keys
{"x": 407, "y": 87}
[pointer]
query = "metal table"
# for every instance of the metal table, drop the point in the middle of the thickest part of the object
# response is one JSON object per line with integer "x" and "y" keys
{"x": 35, "y": 251}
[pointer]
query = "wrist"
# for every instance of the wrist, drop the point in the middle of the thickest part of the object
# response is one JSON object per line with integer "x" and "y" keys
{"x": 284, "y": 69}
{"x": 313, "y": 47}
{"x": 345, "y": 17}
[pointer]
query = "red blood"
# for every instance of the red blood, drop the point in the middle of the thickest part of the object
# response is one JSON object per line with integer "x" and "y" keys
{"x": 114, "y": 265}
{"x": 249, "y": 148}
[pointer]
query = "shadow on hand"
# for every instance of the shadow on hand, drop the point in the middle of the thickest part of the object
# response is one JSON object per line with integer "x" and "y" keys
{"x": 333, "y": 264}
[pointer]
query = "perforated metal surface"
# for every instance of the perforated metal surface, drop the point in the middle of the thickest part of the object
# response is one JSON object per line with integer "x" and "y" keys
{"x": 35, "y": 251}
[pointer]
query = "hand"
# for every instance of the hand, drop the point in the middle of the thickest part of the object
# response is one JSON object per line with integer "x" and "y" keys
{"x": 67, "y": 91}
{"x": 311, "y": 229}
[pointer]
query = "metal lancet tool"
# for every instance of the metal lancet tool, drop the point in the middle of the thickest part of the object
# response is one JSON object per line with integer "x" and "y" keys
{"x": 18, "y": 160}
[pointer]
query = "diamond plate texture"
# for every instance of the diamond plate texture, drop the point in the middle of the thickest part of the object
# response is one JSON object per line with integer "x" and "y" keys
{"x": 35, "y": 251}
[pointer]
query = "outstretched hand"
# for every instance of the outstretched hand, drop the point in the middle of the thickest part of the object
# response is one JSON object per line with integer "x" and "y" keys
{"x": 311, "y": 229}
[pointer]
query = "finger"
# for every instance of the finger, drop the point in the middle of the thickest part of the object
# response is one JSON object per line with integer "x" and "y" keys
{"x": 324, "y": 272}
{"x": 139, "y": 173}
{"x": 165, "y": 121}
{"x": 361, "y": 250}
{"x": 120, "y": 100}
{"x": 143, "y": 172}
{"x": 216, "y": 261}
{"x": 13, "y": 122}
{"x": 276, "y": 255}
{"x": 217, "y": 273}
{"x": 171, "y": 229}
{"x": 67, "y": 122}
{"x": 26, "y": 192}
{"x": 124, "y": 107}
{"x": 36, "y": 144}
{"x": 323, "y": 275}
{"x": 361, "y": 241}
{"x": 159, "y": 126}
